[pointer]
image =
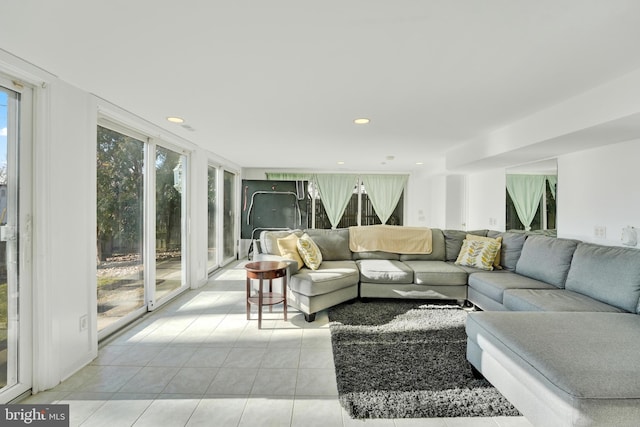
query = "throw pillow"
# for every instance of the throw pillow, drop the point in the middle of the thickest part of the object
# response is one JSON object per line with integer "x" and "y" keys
{"x": 478, "y": 254}
{"x": 288, "y": 247}
{"x": 496, "y": 262}
{"x": 309, "y": 252}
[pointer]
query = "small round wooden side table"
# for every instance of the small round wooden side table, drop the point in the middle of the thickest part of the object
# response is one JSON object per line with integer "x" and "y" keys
{"x": 266, "y": 270}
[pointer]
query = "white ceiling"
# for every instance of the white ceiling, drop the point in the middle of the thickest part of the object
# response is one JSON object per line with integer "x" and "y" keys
{"x": 277, "y": 83}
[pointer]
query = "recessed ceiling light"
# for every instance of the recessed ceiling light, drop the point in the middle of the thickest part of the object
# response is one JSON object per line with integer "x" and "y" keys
{"x": 419, "y": 163}
{"x": 361, "y": 121}
{"x": 175, "y": 119}
{"x": 341, "y": 162}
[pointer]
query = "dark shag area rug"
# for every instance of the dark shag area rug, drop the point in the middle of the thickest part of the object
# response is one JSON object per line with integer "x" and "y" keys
{"x": 407, "y": 359}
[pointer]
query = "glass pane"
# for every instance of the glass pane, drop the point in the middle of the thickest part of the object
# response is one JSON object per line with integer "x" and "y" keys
{"x": 120, "y": 182}
{"x": 229, "y": 215}
{"x": 551, "y": 208}
{"x": 370, "y": 217}
{"x": 169, "y": 189}
{"x": 212, "y": 259}
{"x": 8, "y": 307}
{"x": 349, "y": 218}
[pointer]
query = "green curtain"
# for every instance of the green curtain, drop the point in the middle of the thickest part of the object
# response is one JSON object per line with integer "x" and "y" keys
{"x": 553, "y": 181}
{"x": 526, "y": 193}
{"x": 287, "y": 176}
{"x": 384, "y": 192}
{"x": 335, "y": 193}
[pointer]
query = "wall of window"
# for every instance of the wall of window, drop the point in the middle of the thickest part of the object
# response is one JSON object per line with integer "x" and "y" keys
{"x": 137, "y": 268}
{"x": 359, "y": 211}
{"x": 545, "y": 216}
{"x": 61, "y": 244}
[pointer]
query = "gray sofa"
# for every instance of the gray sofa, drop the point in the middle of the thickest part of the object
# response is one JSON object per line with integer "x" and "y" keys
{"x": 559, "y": 334}
{"x": 311, "y": 291}
{"x": 345, "y": 275}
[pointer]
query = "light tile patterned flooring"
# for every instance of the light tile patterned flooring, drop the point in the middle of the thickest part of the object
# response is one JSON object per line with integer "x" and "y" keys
{"x": 199, "y": 362}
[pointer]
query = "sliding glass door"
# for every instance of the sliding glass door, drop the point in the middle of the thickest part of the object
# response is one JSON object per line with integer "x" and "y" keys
{"x": 15, "y": 261}
{"x": 120, "y": 201}
{"x": 140, "y": 233}
{"x": 170, "y": 189}
{"x": 228, "y": 220}
{"x": 212, "y": 216}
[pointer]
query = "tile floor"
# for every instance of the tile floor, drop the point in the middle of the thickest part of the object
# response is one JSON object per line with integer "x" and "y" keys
{"x": 199, "y": 362}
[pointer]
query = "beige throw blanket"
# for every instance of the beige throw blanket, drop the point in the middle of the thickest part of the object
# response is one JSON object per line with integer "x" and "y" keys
{"x": 390, "y": 238}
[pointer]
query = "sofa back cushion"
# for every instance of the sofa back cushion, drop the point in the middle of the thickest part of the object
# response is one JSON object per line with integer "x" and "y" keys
{"x": 609, "y": 274}
{"x": 333, "y": 244}
{"x": 546, "y": 259}
{"x": 511, "y": 248}
{"x": 453, "y": 241}
{"x": 438, "y": 249}
{"x": 376, "y": 255}
{"x": 269, "y": 240}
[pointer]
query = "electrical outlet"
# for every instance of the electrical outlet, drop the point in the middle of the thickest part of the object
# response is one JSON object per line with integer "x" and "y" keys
{"x": 84, "y": 323}
{"x": 600, "y": 231}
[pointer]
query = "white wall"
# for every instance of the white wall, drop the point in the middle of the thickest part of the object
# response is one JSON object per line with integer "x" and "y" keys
{"x": 417, "y": 209}
{"x": 486, "y": 200}
{"x": 69, "y": 203}
{"x": 599, "y": 187}
{"x": 602, "y": 115}
{"x": 456, "y": 202}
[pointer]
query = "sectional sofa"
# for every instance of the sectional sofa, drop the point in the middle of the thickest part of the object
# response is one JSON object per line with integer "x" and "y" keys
{"x": 557, "y": 327}
{"x": 559, "y": 335}
{"x": 344, "y": 275}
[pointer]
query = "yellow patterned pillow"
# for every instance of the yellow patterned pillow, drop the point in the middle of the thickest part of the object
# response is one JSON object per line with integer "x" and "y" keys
{"x": 288, "y": 247}
{"x": 478, "y": 254}
{"x": 309, "y": 252}
{"x": 496, "y": 262}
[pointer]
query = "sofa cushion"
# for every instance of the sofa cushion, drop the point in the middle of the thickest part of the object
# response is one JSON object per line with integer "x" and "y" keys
{"x": 610, "y": 274}
{"x": 553, "y": 300}
{"x": 584, "y": 357}
{"x": 453, "y": 241}
{"x": 493, "y": 284}
{"x": 478, "y": 253}
{"x": 330, "y": 277}
{"x": 288, "y": 247}
{"x": 437, "y": 273}
{"x": 333, "y": 244}
{"x": 547, "y": 259}
{"x": 511, "y": 248}
{"x": 437, "y": 249}
{"x": 269, "y": 240}
{"x": 384, "y": 271}
{"x": 375, "y": 255}
{"x": 467, "y": 269}
{"x": 309, "y": 252}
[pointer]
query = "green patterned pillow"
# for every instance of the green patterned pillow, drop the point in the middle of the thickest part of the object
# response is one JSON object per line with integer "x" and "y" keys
{"x": 478, "y": 254}
{"x": 309, "y": 252}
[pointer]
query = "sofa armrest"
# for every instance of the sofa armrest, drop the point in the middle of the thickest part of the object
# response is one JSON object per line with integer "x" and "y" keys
{"x": 293, "y": 265}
